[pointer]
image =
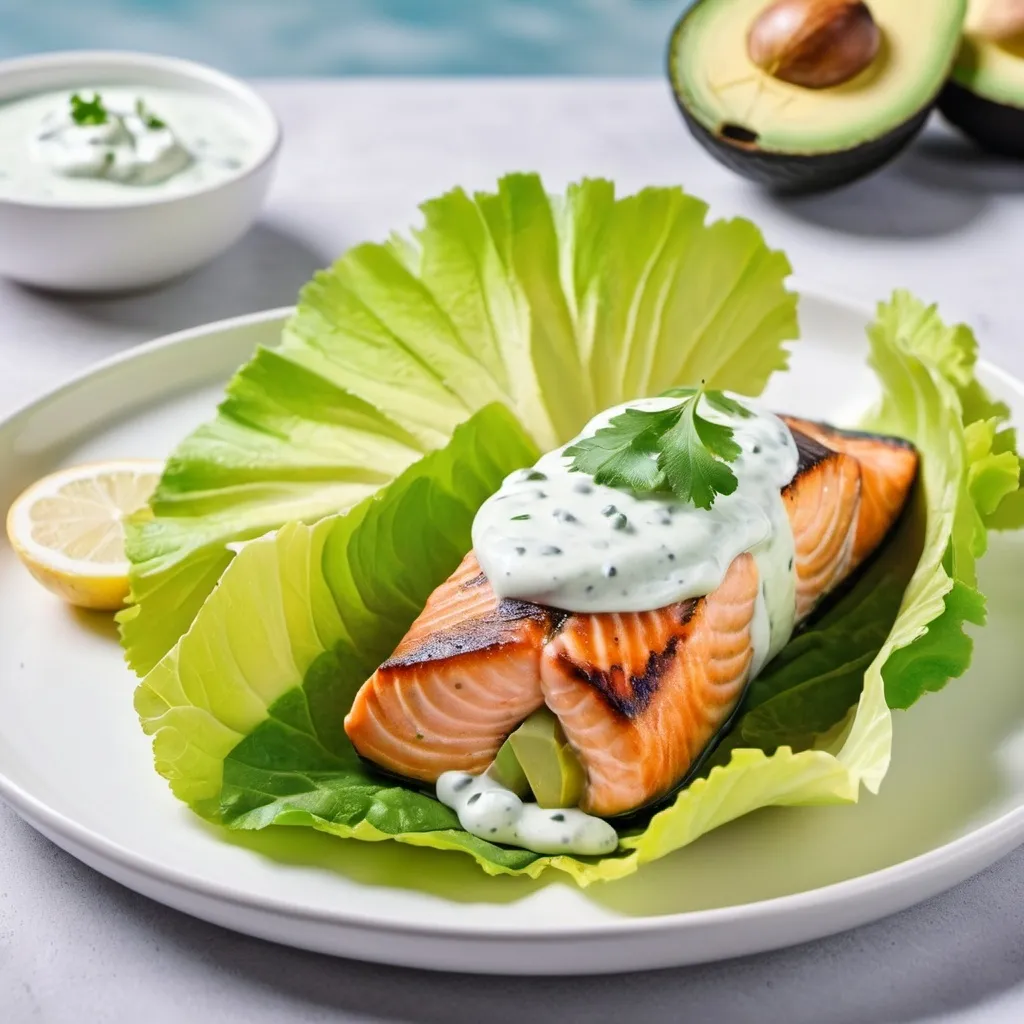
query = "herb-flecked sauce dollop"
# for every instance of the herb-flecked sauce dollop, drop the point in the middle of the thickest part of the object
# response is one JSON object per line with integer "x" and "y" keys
{"x": 119, "y": 144}
{"x": 556, "y": 537}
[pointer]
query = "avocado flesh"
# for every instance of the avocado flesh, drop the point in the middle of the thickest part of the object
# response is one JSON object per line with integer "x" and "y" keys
{"x": 537, "y": 758}
{"x": 506, "y": 770}
{"x": 992, "y": 70}
{"x": 723, "y": 92}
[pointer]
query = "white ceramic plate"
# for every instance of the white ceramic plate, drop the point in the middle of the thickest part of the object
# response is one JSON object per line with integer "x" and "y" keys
{"x": 74, "y": 763}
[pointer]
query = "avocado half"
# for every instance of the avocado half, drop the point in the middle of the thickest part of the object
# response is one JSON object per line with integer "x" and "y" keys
{"x": 795, "y": 139}
{"x": 984, "y": 97}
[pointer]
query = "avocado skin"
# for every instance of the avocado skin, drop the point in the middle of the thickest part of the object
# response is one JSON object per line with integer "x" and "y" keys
{"x": 996, "y": 127}
{"x": 797, "y": 174}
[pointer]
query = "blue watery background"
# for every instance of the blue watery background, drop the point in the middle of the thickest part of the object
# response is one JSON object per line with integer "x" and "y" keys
{"x": 341, "y": 37}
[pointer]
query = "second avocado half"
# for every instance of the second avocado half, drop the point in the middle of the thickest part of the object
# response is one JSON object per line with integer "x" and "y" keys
{"x": 984, "y": 97}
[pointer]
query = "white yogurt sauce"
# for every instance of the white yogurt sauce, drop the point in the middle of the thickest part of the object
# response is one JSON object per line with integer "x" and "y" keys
{"x": 488, "y": 810}
{"x": 557, "y": 538}
{"x": 154, "y": 142}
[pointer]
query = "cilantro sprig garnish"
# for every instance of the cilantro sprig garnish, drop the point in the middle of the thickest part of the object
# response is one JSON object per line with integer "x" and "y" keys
{"x": 86, "y": 112}
{"x": 674, "y": 449}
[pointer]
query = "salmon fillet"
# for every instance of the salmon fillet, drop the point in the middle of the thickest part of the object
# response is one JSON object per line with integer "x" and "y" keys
{"x": 640, "y": 696}
{"x": 822, "y": 503}
{"x": 888, "y": 468}
{"x": 463, "y": 677}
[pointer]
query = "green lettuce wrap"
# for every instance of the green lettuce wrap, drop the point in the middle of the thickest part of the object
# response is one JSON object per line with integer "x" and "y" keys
{"x": 246, "y": 708}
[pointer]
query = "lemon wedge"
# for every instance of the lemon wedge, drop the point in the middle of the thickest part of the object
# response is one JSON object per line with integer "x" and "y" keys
{"x": 68, "y": 528}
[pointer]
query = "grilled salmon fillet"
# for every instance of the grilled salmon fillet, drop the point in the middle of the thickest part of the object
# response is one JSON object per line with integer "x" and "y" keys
{"x": 640, "y": 696}
{"x": 888, "y": 467}
{"x": 623, "y": 684}
{"x": 463, "y": 677}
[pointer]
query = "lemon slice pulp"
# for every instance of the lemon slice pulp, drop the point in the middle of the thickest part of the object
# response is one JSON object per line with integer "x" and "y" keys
{"x": 68, "y": 528}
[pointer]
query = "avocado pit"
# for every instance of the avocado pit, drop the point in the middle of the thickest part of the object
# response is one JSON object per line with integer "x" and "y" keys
{"x": 999, "y": 21}
{"x": 815, "y": 44}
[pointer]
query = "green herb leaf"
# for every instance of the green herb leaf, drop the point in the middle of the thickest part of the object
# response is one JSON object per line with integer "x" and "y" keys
{"x": 723, "y": 403}
{"x": 624, "y": 453}
{"x": 694, "y": 454}
{"x": 673, "y": 449}
{"x": 149, "y": 119}
{"x": 87, "y": 112}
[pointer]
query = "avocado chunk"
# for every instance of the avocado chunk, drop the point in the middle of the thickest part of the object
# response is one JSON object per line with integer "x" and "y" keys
{"x": 506, "y": 770}
{"x": 538, "y": 758}
{"x": 798, "y": 133}
{"x": 984, "y": 97}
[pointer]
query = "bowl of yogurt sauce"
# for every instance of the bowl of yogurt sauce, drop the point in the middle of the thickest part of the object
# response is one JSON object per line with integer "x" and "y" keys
{"x": 122, "y": 170}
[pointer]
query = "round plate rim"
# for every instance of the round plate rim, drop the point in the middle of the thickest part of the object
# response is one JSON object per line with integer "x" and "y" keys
{"x": 923, "y": 868}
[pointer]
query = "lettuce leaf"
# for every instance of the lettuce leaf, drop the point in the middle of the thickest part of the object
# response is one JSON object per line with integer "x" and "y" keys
{"x": 345, "y": 589}
{"x": 556, "y": 307}
{"x": 288, "y": 444}
{"x": 929, "y": 393}
{"x": 247, "y": 724}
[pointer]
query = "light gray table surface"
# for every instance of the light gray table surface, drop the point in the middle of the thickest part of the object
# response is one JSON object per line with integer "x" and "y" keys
{"x": 358, "y": 156}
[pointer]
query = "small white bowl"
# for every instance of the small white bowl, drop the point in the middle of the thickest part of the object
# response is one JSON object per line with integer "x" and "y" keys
{"x": 65, "y": 246}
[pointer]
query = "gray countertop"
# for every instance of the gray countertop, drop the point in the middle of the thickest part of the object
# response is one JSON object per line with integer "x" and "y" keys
{"x": 358, "y": 156}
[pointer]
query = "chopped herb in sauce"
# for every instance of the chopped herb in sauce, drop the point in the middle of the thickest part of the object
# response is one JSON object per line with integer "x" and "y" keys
{"x": 148, "y": 118}
{"x": 85, "y": 112}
